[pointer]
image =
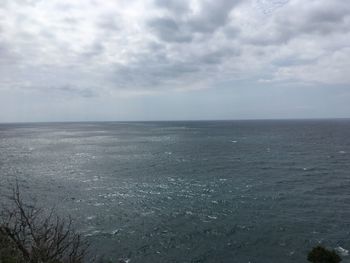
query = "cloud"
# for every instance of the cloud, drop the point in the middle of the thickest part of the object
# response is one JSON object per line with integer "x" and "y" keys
{"x": 182, "y": 20}
{"x": 90, "y": 48}
{"x": 168, "y": 30}
{"x": 329, "y": 69}
{"x": 179, "y": 7}
{"x": 294, "y": 20}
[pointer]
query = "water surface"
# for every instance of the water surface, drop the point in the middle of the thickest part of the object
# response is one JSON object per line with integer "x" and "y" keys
{"x": 221, "y": 191}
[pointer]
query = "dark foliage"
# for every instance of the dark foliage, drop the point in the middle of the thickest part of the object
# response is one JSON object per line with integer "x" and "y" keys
{"x": 320, "y": 254}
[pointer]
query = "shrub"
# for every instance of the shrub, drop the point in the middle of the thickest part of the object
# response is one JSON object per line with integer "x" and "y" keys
{"x": 320, "y": 254}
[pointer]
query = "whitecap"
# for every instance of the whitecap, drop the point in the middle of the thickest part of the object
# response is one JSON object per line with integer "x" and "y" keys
{"x": 116, "y": 231}
{"x": 147, "y": 213}
{"x": 86, "y": 181}
{"x": 124, "y": 260}
{"x": 93, "y": 233}
{"x": 212, "y": 217}
{"x": 342, "y": 251}
{"x": 234, "y": 141}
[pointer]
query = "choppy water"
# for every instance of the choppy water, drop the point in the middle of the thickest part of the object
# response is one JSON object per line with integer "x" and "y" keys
{"x": 240, "y": 191}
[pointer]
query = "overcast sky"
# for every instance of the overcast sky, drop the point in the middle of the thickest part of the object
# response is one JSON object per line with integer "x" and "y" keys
{"x": 71, "y": 60}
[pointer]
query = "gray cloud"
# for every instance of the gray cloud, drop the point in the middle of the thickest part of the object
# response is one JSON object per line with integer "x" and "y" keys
{"x": 70, "y": 90}
{"x": 108, "y": 22}
{"x": 66, "y": 91}
{"x": 179, "y": 7}
{"x": 212, "y": 15}
{"x": 96, "y": 49}
{"x": 182, "y": 23}
{"x": 295, "y": 20}
{"x": 168, "y": 30}
{"x": 154, "y": 73}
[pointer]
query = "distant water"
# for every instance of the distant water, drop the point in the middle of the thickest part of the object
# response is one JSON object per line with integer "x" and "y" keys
{"x": 232, "y": 191}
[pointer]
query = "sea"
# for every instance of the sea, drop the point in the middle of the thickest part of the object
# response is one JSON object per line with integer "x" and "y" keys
{"x": 253, "y": 191}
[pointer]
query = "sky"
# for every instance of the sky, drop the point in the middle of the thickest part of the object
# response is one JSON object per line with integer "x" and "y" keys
{"x": 119, "y": 60}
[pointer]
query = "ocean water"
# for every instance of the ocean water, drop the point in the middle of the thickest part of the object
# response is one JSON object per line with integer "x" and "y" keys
{"x": 220, "y": 191}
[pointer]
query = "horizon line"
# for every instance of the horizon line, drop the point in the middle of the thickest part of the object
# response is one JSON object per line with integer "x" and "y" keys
{"x": 180, "y": 120}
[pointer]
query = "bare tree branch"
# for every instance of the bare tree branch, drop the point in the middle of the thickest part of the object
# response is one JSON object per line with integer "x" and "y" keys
{"x": 39, "y": 236}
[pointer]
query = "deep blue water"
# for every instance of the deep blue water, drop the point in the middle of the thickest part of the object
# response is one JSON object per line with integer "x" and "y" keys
{"x": 221, "y": 191}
